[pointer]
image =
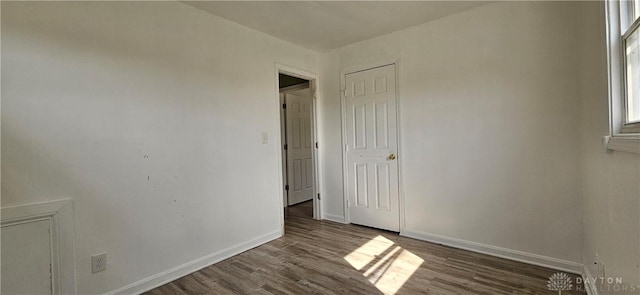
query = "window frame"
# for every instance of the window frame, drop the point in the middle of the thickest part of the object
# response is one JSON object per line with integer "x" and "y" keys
{"x": 623, "y": 135}
{"x": 627, "y": 127}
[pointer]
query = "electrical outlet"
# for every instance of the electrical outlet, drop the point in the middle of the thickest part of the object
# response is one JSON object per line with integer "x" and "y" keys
{"x": 98, "y": 262}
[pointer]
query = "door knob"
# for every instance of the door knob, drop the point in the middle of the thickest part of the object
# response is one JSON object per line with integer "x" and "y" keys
{"x": 391, "y": 157}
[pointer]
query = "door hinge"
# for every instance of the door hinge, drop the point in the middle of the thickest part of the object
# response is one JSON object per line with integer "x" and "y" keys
{"x": 284, "y": 105}
{"x": 316, "y": 145}
{"x": 285, "y": 146}
{"x": 286, "y": 187}
{"x": 318, "y": 196}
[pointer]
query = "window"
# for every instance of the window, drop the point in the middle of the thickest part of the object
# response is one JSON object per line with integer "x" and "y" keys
{"x": 630, "y": 12}
{"x": 623, "y": 34}
{"x": 632, "y": 60}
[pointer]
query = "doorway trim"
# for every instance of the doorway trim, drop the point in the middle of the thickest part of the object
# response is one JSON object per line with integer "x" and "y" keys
{"x": 59, "y": 214}
{"x": 343, "y": 87}
{"x": 315, "y": 154}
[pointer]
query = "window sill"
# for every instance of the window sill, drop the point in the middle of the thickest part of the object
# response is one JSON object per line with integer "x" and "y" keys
{"x": 624, "y": 143}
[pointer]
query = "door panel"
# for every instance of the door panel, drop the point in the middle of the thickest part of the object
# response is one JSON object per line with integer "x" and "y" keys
{"x": 297, "y": 175}
{"x": 309, "y": 174}
{"x": 372, "y": 143}
{"x": 299, "y": 144}
{"x": 361, "y": 185}
{"x": 360, "y": 126}
{"x": 26, "y": 258}
{"x": 381, "y": 127}
{"x": 383, "y": 193}
{"x": 306, "y": 125}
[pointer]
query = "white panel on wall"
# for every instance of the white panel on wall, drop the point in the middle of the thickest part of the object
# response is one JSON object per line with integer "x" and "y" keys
{"x": 26, "y": 258}
{"x": 38, "y": 248}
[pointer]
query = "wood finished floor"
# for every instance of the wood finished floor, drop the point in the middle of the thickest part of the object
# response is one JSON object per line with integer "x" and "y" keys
{"x": 320, "y": 257}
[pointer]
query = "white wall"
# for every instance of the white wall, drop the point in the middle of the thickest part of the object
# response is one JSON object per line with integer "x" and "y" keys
{"x": 611, "y": 181}
{"x": 489, "y": 125}
{"x": 149, "y": 115}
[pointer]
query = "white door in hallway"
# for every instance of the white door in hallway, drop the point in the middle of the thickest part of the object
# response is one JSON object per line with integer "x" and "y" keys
{"x": 371, "y": 148}
{"x": 299, "y": 143}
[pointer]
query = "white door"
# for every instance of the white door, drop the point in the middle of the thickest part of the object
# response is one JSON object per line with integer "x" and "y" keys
{"x": 299, "y": 143}
{"x": 371, "y": 148}
{"x": 283, "y": 138}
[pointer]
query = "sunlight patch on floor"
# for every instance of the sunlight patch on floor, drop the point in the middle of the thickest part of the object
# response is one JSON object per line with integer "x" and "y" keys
{"x": 385, "y": 266}
{"x": 362, "y": 256}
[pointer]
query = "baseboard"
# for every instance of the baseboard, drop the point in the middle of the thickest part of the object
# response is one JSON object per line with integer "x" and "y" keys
{"x": 588, "y": 284}
{"x": 521, "y": 256}
{"x": 164, "y": 277}
{"x": 334, "y": 218}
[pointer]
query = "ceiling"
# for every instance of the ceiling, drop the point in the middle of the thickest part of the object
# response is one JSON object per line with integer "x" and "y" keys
{"x": 325, "y": 25}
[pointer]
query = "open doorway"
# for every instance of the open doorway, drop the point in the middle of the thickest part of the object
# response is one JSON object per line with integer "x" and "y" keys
{"x": 300, "y": 185}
